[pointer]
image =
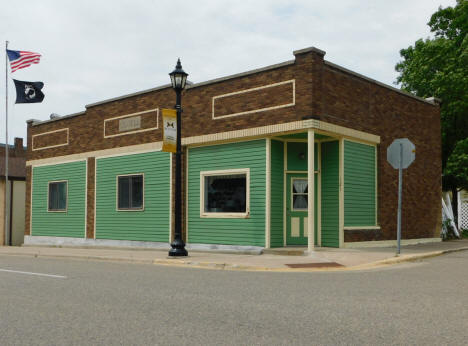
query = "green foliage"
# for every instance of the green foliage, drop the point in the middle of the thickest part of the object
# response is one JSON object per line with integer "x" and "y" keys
{"x": 450, "y": 234}
{"x": 438, "y": 67}
{"x": 464, "y": 233}
{"x": 457, "y": 164}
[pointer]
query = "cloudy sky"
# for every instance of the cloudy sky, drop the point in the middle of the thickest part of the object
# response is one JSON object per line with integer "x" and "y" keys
{"x": 95, "y": 50}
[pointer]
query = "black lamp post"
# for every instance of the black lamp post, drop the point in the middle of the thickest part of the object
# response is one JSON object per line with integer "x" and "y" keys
{"x": 178, "y": 80}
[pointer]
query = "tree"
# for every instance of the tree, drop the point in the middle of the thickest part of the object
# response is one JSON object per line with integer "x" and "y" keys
{"x": 438, "y": 67}
{"x": 457, "y": 164}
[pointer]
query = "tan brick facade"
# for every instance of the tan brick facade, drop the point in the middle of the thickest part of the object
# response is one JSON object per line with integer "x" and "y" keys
{"x": 322, "y": 90}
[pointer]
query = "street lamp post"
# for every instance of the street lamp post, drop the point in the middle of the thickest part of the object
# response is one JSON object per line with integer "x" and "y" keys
{"x": 178, "y": 80}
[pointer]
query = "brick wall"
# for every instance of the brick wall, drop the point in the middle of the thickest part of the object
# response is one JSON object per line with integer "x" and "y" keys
{"x": 357, "y": 103}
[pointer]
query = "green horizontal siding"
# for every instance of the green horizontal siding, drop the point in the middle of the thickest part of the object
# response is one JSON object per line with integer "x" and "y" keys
{"x": 359, "y": 184}
{"x": 229, "y": 231}
{"x": 277, "y": 172}
{"x": 330, "y": 194}
{"x": 59, "y": 224}
{"x": 150, "y": 224}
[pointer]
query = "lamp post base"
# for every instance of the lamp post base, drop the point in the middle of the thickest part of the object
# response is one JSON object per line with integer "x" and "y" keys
{"x": 178, "y": 248}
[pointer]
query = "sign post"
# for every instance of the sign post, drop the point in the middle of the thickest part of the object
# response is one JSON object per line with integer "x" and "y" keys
{"x": 400, "y": 154}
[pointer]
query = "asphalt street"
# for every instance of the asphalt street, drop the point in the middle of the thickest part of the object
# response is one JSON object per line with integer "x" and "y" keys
{"x": 78, "y": 302}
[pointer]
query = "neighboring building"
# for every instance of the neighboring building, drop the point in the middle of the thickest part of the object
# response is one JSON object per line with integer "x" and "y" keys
{"x": 17, "y": 192}
{"x": 99, "y": 177}
{"x": 463, "y": 209}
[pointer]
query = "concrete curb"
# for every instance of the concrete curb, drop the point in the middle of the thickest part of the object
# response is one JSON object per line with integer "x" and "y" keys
{"x": 376, "y": 264}
{"x": 83, "y": 257}
{"x": 178, "y": 262}
{"x": 408, "y": 258}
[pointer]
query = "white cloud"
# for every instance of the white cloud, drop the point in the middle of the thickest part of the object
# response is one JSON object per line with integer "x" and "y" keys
{"x": 94, "y": 50}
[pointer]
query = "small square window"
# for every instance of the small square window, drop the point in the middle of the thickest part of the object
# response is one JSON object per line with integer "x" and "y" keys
{"x": 130, "y": 192}
{"x": 58, "y": 196}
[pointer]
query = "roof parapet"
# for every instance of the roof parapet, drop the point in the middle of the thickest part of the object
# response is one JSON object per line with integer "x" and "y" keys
{"x": 434, "y": 100}
{"x": 310, "y": 49}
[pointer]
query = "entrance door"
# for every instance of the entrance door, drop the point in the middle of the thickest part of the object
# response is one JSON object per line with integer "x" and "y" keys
{"x": 296, "y": 209}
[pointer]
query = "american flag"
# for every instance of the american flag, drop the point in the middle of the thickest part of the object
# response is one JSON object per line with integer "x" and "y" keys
{"x": 21, "y": 59}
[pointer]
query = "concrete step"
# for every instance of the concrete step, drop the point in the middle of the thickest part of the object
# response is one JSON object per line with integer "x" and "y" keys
{"x": 286, "y": 251}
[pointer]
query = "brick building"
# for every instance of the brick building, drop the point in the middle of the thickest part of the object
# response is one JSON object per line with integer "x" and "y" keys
{"x": 289, "y": 154}
{"x": 15, "y": 196}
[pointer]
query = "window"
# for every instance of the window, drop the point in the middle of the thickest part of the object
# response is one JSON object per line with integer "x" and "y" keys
{"x": 299, "y": 194}
{"x": 130, "y": 192}
{"x": 58, "y": 196}
{"x": 225, "y": 193}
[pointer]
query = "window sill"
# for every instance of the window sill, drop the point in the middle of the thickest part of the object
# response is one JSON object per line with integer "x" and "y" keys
{"x": 125, "y": 210}
{"x": 225, "y": 215}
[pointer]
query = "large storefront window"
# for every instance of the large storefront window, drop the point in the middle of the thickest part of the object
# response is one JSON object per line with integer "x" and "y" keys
{"x": 225, "y": 193}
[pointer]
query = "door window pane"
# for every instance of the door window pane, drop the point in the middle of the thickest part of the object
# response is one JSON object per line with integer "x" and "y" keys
{"x": 225, "y": 193}
{"x": 299, "y": 194}
{"x": 130, "y": 192}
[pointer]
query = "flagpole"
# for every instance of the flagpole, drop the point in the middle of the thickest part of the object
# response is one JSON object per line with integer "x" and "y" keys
{"x": 7, "y": 186}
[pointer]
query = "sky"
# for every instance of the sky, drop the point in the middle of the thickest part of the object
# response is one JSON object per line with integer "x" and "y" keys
{"x": 96, "y": 50}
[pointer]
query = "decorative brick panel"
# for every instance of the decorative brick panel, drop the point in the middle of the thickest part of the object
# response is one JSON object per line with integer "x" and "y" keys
{"x": 131, "y": 123}
{"x": 50, "y": 139}
{"x": 259, "y": 99}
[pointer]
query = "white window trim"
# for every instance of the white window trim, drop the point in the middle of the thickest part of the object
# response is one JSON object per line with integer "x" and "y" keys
{"x": 66, "y": 200}
{"x": 117, "y": 193}
{"x": 243, "y": 215}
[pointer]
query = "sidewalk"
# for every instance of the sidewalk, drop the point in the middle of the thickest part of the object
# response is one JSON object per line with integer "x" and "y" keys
{"x": 321, "y": 259}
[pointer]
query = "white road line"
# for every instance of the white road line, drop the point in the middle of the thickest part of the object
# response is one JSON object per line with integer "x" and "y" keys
{"x": 30, "y": 273}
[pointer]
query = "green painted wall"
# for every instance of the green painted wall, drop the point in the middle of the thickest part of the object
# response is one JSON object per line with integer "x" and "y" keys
{"x": 59, "y": 224}
{"x": 330, "y": 194}
{"x": 151, "y": 224}
{"x": 277, "y": 172}
{"x": 359, "y": 184}
{"x": 295, "y": 163}
{"x": 235, "y": 231}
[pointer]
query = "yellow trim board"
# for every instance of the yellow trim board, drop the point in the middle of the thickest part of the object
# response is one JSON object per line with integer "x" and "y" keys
{"x": 303, "y": 125}
{"x": 311, "y": 190}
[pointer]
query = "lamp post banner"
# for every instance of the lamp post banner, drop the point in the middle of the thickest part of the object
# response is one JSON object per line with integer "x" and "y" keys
{"x": 169, "y": 130}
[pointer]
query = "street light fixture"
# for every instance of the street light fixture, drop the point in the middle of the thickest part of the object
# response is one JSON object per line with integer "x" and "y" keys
{"x": 178, "y": 80}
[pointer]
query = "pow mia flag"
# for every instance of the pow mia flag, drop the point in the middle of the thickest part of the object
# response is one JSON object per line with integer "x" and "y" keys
{"x": 28, "y": 92}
